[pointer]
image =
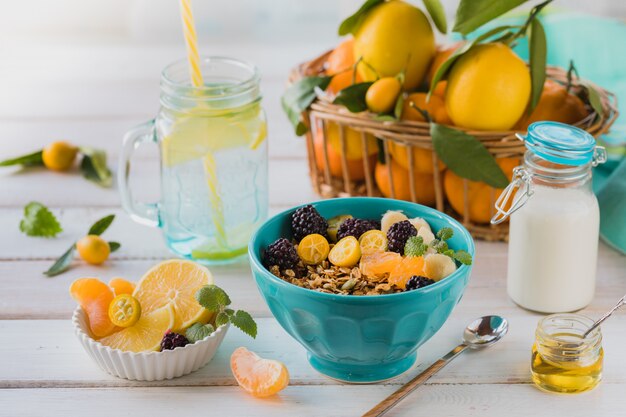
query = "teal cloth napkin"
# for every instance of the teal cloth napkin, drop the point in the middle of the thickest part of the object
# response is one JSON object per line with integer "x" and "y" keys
{"x": 596, "y": 46}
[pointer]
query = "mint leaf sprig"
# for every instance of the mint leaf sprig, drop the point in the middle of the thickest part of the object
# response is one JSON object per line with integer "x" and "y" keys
{"x": 215, "y": 299}
{"x": 415, "y": 246}
{"x": 64, "y": 262}
{"x": 39, "y": 221}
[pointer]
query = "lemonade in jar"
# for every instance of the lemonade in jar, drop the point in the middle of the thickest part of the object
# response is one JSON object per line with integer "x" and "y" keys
{"x": 213, "y": 148}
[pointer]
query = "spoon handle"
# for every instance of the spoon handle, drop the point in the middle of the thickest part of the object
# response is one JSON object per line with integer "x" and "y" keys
{"x": 389, "y": 402}
{"x": 620, "y": 303}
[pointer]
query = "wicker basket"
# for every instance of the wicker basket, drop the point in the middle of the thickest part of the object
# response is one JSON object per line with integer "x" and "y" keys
{"x": 413, "y": 135}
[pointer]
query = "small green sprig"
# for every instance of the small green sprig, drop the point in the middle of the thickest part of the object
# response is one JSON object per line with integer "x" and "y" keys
{"x": 63, "y": 263}
{"x": 215, "y": 299}
{"x": 415, "y": 246}
{"x": 39, "y": 221}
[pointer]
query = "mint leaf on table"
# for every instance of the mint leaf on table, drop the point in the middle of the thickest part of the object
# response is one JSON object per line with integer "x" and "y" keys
{"x": 63, "y": 263}
{"x": 94, "y": 167}
{"x": 29, "y": 160}
{"x": 198, "y": 331}
{"x": 244, "y": 322}
{"x": 38, "y": 221}
{"x": 101, "y": 225}
{"x": 213, "y": 298}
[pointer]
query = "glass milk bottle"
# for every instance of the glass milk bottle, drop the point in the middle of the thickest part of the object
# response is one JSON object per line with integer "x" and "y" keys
{"x": 554, "y": 220}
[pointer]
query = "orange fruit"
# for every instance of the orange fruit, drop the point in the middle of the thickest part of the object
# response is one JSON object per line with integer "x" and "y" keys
{"x": 121, "y": 286}
{"x": 435, "y": 107}
{"x": 339, "y": 63}
{"x": 124, "y": 310}
{"x": 260, "y": 377}
{"x": 354, "y": 152}
{"x": 440, "y": 90}
{"x": 404, "y": 270}
{"x": 381, "y": 97}
{"x": 175, "y": 281}
{"x": 481, "y": 196}
{"x": 94, "y": 297}
{"x": 59, "y": 156}
{"x": 313, "y": 249}
{"x": 422, "y": 158}
{"x": 93, "y": 249}
{"x": 556, "y": 105}
{"x": 442, "y": 54}
{"x": 379, "y": 263}
{"x": 146, "y": 334}
{"x": 488, "y": 88}
{"x": 424, "y": 183}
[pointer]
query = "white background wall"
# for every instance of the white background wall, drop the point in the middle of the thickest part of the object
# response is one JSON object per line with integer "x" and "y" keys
{"x": 157, "y": 21}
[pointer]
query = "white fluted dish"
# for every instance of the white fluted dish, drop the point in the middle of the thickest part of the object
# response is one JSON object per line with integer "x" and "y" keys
{"x": 148, "y": 366}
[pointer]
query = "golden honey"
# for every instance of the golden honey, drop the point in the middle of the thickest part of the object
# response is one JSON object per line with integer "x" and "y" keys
{"x": 562, "y": 361}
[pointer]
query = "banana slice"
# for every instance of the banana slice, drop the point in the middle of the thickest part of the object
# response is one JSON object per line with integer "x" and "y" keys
{"x": 426, "y": 234}
{"x": 419, "y": 222}
{"x": 438, "y": 266}
{"x": 390, "y": 218}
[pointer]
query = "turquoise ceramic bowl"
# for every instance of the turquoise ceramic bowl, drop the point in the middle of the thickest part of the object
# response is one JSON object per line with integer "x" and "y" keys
{"x": 360, "y": 338}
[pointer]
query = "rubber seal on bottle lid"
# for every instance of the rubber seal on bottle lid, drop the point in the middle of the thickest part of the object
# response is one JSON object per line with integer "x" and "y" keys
{"x": 560, "y": 143}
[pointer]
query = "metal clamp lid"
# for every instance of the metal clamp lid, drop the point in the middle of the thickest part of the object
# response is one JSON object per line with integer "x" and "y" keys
{"x": 521, "y": 179}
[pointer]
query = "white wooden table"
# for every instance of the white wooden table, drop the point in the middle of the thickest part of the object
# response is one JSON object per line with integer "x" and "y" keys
{"x": 90, "y": 95}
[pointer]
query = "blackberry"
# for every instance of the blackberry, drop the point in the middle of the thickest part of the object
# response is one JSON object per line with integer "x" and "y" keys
{"x": 418, "y": 281}
{"x": 173, "y": 340}
{"x": 398, "y": 234}
{"x": 281, "y": 253}
{"x": 305, "y": 221}
{"x": 355, "y": 227}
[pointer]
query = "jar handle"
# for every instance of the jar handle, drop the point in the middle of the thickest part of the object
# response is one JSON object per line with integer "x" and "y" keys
{"x": 143, "y": 213}
{"x": 521, "y": 178}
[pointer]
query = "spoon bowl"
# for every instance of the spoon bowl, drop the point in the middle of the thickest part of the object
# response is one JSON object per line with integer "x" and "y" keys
{"x": 485, "y": 331}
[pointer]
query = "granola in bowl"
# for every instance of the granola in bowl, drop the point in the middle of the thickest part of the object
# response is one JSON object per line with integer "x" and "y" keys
{"x": 352, "y": 256}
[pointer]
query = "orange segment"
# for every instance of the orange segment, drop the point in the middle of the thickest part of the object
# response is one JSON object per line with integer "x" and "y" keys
{"x": 175, "y": 281}
{"x": 121, "y": 286}
{"x": 379, "y": 263}
{"x": 409, "y": 266}
{"x": 94, "y": 296}
{"x": 146, "y": 334}
{"x": 260, "y": 377}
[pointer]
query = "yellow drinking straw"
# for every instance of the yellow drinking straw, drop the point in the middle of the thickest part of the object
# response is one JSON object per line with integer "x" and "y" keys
{"x": 193, "y": 57}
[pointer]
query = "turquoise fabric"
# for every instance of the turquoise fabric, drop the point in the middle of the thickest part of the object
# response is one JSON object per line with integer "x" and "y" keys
{"x": 596, "y": 45}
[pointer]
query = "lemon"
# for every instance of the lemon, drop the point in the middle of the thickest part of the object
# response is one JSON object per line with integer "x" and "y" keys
{"x": 124, "y": 310}
{"x": 394, "y": 37}
{"x": 175, "y": 282}
{"x": 488, "y": 88}
{"x": 313, "y": 249}
{"x": 346, "y": 252}
{"x": 373, "y": 241}
{"x": 146, "y": 334}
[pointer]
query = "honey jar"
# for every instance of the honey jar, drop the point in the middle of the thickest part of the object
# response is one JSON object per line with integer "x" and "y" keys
{"x": 562, "y": 360}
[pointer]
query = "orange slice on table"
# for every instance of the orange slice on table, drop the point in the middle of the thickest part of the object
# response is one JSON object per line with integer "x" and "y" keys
{"x": 146, "y": 334}
{"x": 175, "y": 281}
{"x": 260, "y": 377}
{"x": 94, "y": 296}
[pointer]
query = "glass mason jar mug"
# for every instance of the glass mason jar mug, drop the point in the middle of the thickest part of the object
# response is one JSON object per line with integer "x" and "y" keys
{"x": 213, "y": 156}
{"x": 554, "y": 220}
